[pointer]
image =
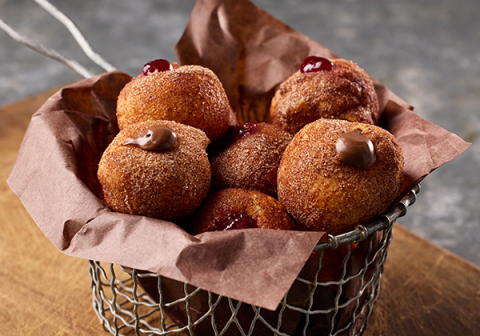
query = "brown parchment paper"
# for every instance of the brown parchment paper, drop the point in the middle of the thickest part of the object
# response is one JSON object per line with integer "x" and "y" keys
{"x": 251, "y": 52}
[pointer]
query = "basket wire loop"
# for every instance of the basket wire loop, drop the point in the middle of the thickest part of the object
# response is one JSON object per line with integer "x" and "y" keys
{"x": 124, "y": 308}
{"x": 53, "y": 54}
{"x": 363, "y": 233}
{"x": 76, "y": 33}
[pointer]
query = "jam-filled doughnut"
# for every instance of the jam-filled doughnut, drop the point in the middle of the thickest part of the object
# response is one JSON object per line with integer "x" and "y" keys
{"x": 337, "y": 89}
{"x": 235, "y": 208}
{"x": 156, "y": 168}
{"x": 336, "y": 174}
{"x": 190, "y": 94}
{"x": 248, "y": 157}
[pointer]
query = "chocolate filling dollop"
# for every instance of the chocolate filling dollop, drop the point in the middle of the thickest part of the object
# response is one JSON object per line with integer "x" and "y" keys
{"x": 156, "y": 138}
{"x": 356, "y": 149}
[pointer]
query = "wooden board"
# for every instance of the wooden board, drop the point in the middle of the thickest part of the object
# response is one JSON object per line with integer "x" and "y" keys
{"x": 42, "y": 291}
{"x": 425, "y": 289}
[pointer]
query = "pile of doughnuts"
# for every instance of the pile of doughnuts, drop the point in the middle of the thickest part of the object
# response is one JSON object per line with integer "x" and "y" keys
{"x": 181, "y": 156}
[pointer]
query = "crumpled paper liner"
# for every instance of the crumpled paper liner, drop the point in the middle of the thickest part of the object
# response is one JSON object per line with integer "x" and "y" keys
{"x": 251, "y": 52}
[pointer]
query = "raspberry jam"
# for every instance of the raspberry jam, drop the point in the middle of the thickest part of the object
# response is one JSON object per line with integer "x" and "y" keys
{"x": 315, "y": 64}
{"x": 158, "y": 65}
{"x": 239, "y": 220}
{"x": 246, "y": 129}
{"x": 233, "y": 134}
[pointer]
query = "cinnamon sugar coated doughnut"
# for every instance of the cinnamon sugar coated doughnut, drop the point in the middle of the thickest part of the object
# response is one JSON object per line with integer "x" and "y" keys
{"x": 191, "y": 95}
{"x": 327, "y": 193}
{"x": 250, "y": 158}
{"x": 167, "y": 182}
{"x": 340, "y": 91}
{"x": 241, "y": 209}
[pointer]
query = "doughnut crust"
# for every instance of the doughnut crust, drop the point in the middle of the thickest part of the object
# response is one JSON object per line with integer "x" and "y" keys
{"x": 345, "y": 92}
{"x": 250, "y": 159}
{"x": 323, "y": 193}
{"x": 190, "y": 94}
{"x": 167, "y": 185}
{"x": 235, "y": 208}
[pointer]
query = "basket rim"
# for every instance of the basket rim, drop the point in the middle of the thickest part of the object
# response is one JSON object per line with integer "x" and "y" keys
{"x": 382, "y": 222}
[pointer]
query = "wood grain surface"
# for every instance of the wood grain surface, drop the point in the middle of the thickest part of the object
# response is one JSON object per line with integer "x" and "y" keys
{"x": 43, "y": 292}
{"x": 425, "y": 290}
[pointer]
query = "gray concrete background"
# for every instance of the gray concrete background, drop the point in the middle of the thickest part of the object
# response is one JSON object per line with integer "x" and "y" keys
{"x": 426, "y": 51}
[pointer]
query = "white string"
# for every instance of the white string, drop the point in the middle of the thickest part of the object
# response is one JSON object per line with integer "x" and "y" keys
{"x": 81, "y": 40}
{"x": 77, "y": 67}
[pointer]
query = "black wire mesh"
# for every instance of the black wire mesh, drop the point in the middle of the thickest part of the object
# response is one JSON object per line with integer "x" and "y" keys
{"x": 327, "y": 298}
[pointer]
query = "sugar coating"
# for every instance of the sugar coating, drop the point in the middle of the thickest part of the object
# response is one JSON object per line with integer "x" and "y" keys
{"x": 252, "y": 161}
{"x": 323, "y": 193}
{"x": 168, "y": 185}
{"x": 266, "y": 210}
{"x": 191, "y": 95}
{"x": 346, "y": 92}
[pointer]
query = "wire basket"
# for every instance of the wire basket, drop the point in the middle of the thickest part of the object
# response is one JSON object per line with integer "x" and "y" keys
{"x": 323, "y": 300}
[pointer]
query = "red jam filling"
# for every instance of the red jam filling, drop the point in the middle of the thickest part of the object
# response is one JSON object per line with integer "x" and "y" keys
{"x": 239, "y": 220}
{"x": 244, "y": 130}
{"x": 315, "y": 64}
{"x": 158, "y": 65}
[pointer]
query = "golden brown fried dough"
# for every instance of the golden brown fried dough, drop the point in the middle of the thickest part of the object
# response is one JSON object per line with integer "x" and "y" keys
{"x": 344, "y": 92}
{"x": 191, "y": 95}
{"x": 250, "y": 158}
{"x": 322, "y": 192}
{"x": 168, "y": 185}
{"x": 235, "y": 208}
